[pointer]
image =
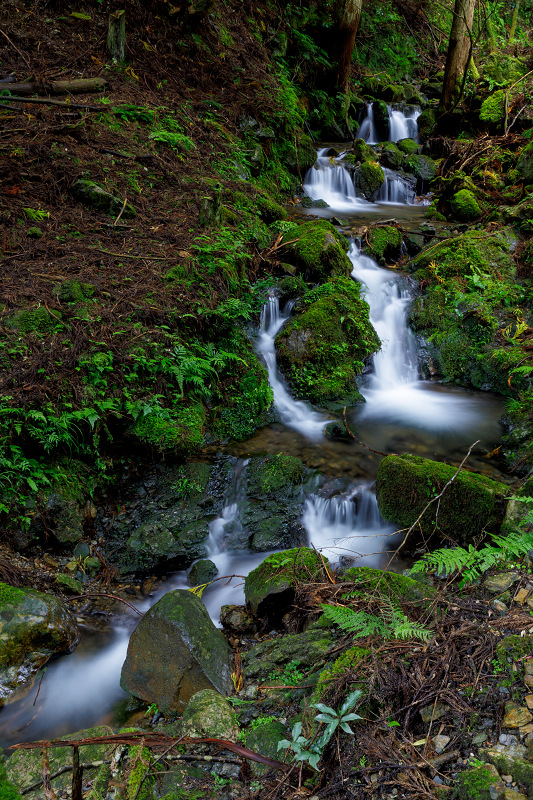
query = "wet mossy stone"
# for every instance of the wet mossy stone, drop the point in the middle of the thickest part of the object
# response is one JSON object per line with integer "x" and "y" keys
{"x": 510, "y": 760}
{"x": 368, "y": 179}
{"x": 501, "y": 69}
{"x": 318, "y": 250}
{"x": 520, "y": 216}
{"x": 422, "y": 167}
{"x": 25, "y": 767}
{"x": 174, "y": 652}
{"x": 180, "y": 431}
{"x": 69, "y": 584}
{"x": 408, "y": 146}
{"x": 264, "y": 739}
{"x": 34, "y": 320}
{"x": 525, "y": 163}
{"x": 471, "y": 505}
{"x": 469, "y": 253}
{"x": 493, "y": 107}
{"x": 61, "y": 520}
{"x": 209, "y": 714}
{"x": 308, "y": 202}
{"x": 201, "y": 572}
{"x": 388, "y": 584}
{"x": 427, "y": 123}
{"x": 464, "y": 206}
{"x": 385, "y": 242}
{"x": 92, "y": 195}
{"x": 169, "y": 540}
{"x": 309, "y": 649}
{"x": 33, "y": 628}
{"x": 381, "y": 120}
{"x": 393, "y": 93}
{"x": 274, "y": 476}
{"x": 362, "y": 151}
{"x": 476, "y": 783}
{"x": 391, "y": 156}
{"x": 269, "y": 588}
{"x": 322, "y": 350}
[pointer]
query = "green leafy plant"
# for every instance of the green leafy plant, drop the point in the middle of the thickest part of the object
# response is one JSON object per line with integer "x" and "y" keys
{"x": 391, "y": 624}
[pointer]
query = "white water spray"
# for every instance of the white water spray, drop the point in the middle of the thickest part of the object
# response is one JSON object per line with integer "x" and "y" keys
{"x": 329, "y": 180}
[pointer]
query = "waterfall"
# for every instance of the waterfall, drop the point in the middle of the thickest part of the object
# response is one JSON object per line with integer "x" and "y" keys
{"x": 348, "y": 527}
{"x": 396, "y": 189}
{"x": 329, "y": 180}
{"x": 293, "y": 413}
{"x": 368, "y": 131}
{"x": 403, "y": 125}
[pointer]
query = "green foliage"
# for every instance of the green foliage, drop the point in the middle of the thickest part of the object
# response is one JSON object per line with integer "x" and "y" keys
{"x": 290, "y": 676}
{"x": 169, "y": 131}
{"x": 390, "y": 624}
{"x": 493, "y": 108}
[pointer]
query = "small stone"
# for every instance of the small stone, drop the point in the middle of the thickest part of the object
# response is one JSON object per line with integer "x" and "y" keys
{"x": 521, "y": 596}
{"x": 512, "y": 794}
{"x": 479, "y": 738}
{"x": 525, "y": 729}
{"x": 507, "y": 739}
{"x": 529, "y": 700}
{"x": 507, "y": 778}
{"x": 501, "y": 581}
{"x": 433, "y": 712}
{"x": 515, "y": 716}
{"x": 69, "y": 584}
{"x": 49, "y": 561}
{"x": 528, "y": 673}
{"x": 440, "y": 741}
{"x": 500, "y": 607}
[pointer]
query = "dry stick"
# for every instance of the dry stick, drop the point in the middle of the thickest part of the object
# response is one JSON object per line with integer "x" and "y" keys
{"x": 433, "y": 500}
{"x": 45, "y": 102}
{"x": 93, "y": 765}
{"x": 121, "y": 210}
{"x": 109, "y": 596}
{"x": 14, "y": 46}
{"x": 77, "y": 773}
{"x": 379, "y": 452}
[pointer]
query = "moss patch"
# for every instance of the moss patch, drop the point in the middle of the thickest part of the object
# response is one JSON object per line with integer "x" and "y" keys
{"x": 279, "y": 573}
{"x": 369, "y": 178}
{"x": 318, "y": 250}
{"x": 464, "y": 206}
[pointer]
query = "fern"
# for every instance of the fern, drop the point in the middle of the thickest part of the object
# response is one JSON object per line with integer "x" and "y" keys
{"x": 472, "y": 563}
{"x": 392, "y": 624}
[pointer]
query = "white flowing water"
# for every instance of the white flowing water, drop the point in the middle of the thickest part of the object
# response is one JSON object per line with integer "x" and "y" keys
{"x": 368, "y": 131}
{"x": 396, "y": 189}
{"x": 329, "y": 180}
{"x": 402, "y": 125}
{"x": 293, "y": 413}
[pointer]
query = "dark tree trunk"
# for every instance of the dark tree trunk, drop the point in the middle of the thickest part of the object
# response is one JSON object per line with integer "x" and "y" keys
{"x": 459, "y": 49}
{"x": 348, "y": 16}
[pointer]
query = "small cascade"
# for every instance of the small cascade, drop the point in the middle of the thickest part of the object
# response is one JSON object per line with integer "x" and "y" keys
{"x": 228, "y": 525}
{"x": 294, "y": 413}
{"x": 403, "y": 125}
{"x": 396, "y": 189}
{"x": 348, "y": 527}
{"x": 368, "y": 131}
{"x": 330, "y": 181}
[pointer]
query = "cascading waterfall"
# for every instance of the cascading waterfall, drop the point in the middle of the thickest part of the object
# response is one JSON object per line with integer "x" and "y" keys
{"x": 329, "y": 180}
{"x": 368, "y": 131}
{"x": 293, "y": 413}
{"x": 402, "y": 125}
{"x": 396, "y": 189}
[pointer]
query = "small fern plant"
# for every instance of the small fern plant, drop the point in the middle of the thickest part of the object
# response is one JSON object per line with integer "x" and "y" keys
{"x": 391, "y": 623}
{"x": 471, "y": 563}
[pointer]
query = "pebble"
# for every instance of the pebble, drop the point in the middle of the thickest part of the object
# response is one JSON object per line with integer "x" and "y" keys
{"x": 440, "y": 741}
{"x": 500, "y": 607}
{"x": 501, "y": 581}
{"x": 515, "y": 716}
{"x": 507, "y": 739}
{"x": 433, "y": 712}
{"x": 521, "y": 596}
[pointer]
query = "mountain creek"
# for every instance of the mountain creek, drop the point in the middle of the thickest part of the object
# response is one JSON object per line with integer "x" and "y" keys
{"x": 266, "y": 419}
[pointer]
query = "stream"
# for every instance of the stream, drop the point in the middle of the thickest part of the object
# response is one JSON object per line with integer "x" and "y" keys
{"x": 402, "y": 413}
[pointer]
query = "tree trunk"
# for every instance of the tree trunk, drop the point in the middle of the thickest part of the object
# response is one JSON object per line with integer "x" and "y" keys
{"x": 459, "y": 49}
{"x": 514, "y": 21}
{"x": 348, "y": 16}
{"x": 116, "y": 36}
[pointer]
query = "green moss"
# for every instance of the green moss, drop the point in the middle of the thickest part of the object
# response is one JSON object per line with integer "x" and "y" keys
{"x": 493, "y": 107}
{"x": 422, "y": 167}
{"x": 274, "y": 473}
{"x": 349, "y": 662}
{"x": 369, "y": 178}
{"x": 362, "y": 151}
{"x": 322, "y": 350}
{"x": 381, "y": 119}
{"x": 525, "y": 163}
{"x": 464, "y": 206}
{"x": 281, "y": 572}
{"x": 470, "y": 252}
{"x": 10, "y": 596}
{"x": 37, "y": 320}
{"x": 391, "y": 156}
{"x": 385, "y": 241}
{"x": 408, "y": 146}
{"x": 500, "y": 68}
{"x": 471, "y": 505}
{"x": 387, "y": 584}
{"x": 427, "y": 123}
{"x": 74, "y": 291}
{"x": 177, "y": 431}
{"x": 140, "y": 761}
{"x": 319, "y": 250}
{"x": 475, "y": 783}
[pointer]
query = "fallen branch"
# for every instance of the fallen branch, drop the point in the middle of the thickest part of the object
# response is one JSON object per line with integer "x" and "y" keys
{"x": 74, "y": 86}
{"x": 46, "y": 102}
{"x": 354, "y": 437}
{"x": 109, "y": 597}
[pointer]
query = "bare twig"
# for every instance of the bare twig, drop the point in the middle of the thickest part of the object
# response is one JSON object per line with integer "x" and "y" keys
{"x": 121, "y": 210}
{"x": 354, "y": 437}
{"x": 14, "y": 46}
{"x": 109, "y": 596}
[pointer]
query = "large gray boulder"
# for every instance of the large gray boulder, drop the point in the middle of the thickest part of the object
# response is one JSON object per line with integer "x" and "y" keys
{"x": 174, "y": 652}
{"x": 33, "y": 628}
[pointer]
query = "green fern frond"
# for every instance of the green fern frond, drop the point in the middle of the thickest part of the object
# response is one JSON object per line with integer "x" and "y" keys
{"x": 392, "y": 624}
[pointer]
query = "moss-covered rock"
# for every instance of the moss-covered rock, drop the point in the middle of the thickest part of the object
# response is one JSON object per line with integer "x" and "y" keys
{"x": 269, "y": 659}
{"x": 388, "y": 584}
{"x": 510, "y": 760}
{"x": 34, "y": 320}
{"x": 502, "y": 68}
{"x": 209, "y": 714}
{"x": 69, "y": 584}
{"x": 174, "y": 652}
{"x": 322, "y": 350}
{"x": 475, "y": 783}
{"x": 422, "y": 167}
{"x": 33, "y": 628}
{"x": 92, "y": 195}
{"x": 472, "y": 504}
{"x": 525, "y": 163}
{"x": 408, "y": 146}
{"x": 464, "y": 206}
{"x": 264, "y": 739}
{"x": 427, "y": 123}
{"x": 362, "y": 151}
{"x": 368, "y": 179}
{"x": 385, "y": 242}
{"x": 269, "y": 588}
{"x": 318, "y": 250}
{"x": 391, "y": 156}
{"x": 179, "y": 431}
{"x": 520, "y": 216}
{"x": 470, "y": 252}
{"x": 202, "y": 571}
{"x": 60, "y": 522}
{"x": 382, "y": 120}
{"x": 493, "y": 107}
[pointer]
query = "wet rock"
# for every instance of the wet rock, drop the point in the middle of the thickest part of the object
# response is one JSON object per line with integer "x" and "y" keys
{"x": 25, "y": 767}
{"x": 499, "y": 607}
{"x": 512, "y": 760}
{"x": 368, "y": 179}
{"x": 515, "y": 716}
{"x": 433, "y": 712}
{"x": 202, "y": 571}
{"x": 237, "y": 620}
{"x": 408, "y": 146}
{"x": 308, "y": 650}
{"x": 92, "y": 195}
{"x": 69, "y": 584}
{"x": 61, "y": 519}
{"x": 363, "y": 152}
{"x": 269, "y": 588}
{"x": 500, "y": 582}
{"x": 264, "y": 739}
{"x": 318, "y": 250}
{"x": 209, "y": 714}
{"x": 440, "y": 742}
{"x": 33, "y": 628}
{"x": 391, "y": 156}
{"x": 174, "y": 652}
{"x": 464, "y": 206}
{"x": 472, "y": 503}
{"x": 480, "y": 782}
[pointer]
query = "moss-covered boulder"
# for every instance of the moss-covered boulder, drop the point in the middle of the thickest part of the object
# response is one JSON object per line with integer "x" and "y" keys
{"x": 427, "y": 123}
{"x": 391, "y": 156}
{"x": 391, "y": 585}
{"x": 493, "y": 107}
{"x": 308, "y": 650}
{"x": 33, "y": 628}
{"x": 264, "y": 739}
{"x": 269, "y": 588}
{"x": 60, "y": 522}
{"x": 202, "y": 571}
{"x": 209, "y": 714}
{"x": 368, "y": 179}
{"x": 178, "y": 432}
{"x": 464, "y": 206}
{"x": 510, "y": 760}
{"x": 525, "y": 164}
{"x": 477, "y": 782}
{"x": 422, "y": 167}
{"x": 25, "y": 767}
{"x": 502, "y": 68}
{"x": 174, "y": 652}
{"x": 93, "y": 196}
{"x": 408, "y": 146}
{"x": 362, "y": 151}
{"x": 472, "y": 504}
{"x": 318, "y": 251}
{"x": 468, "y": 253}
{"x": 384, "y": 243}
{"x": 520, "y": 216}
{"x": 322, "y": 349}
